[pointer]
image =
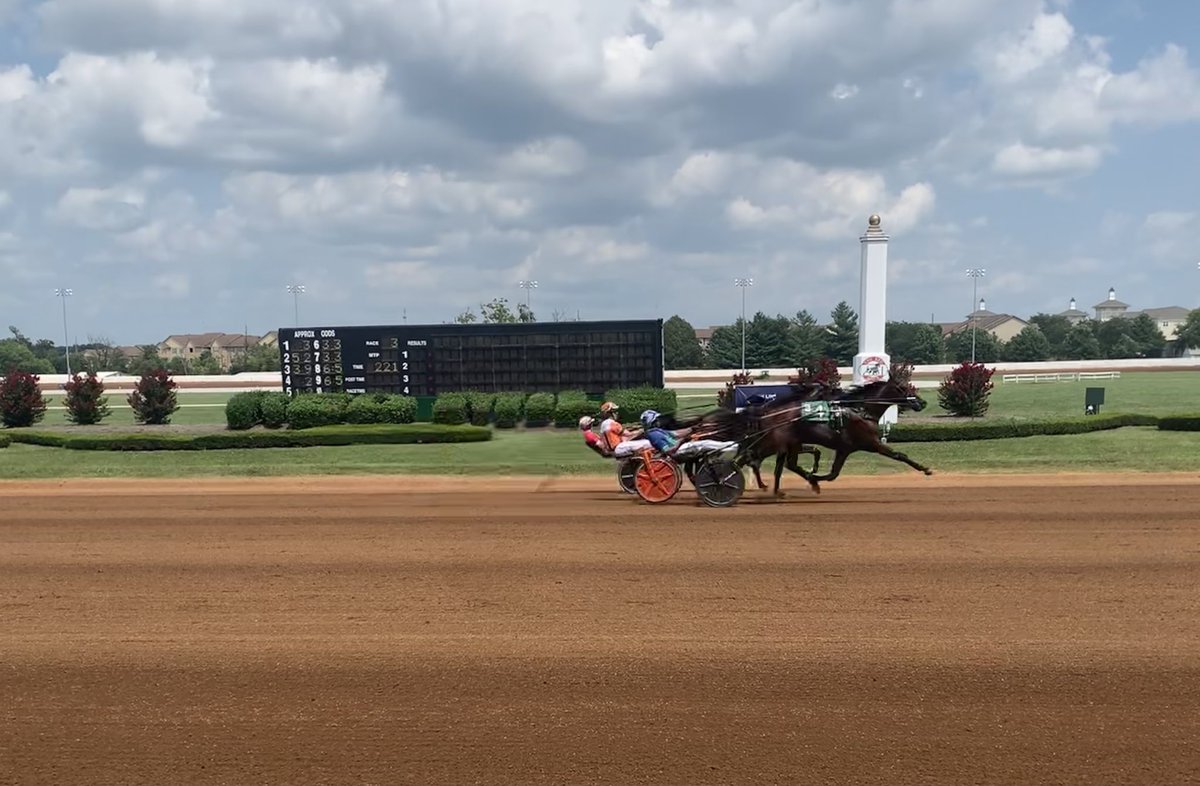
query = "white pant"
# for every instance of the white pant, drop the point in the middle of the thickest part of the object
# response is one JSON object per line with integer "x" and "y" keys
{"x": 631, "y": 448}
{"x": 704, "y": 446}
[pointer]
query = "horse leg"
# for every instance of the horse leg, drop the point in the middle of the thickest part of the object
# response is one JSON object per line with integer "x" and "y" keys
{"x": 756, "y": 466}
{"x": 780, "y": 460}
{"x": 868, "y": 439}
{"x": 793, "y": 463}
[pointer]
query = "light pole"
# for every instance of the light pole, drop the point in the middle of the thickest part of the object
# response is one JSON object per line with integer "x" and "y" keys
{"x": 64, "y": 294}
{"x": 297, "y": 290}
{"x": 975, "y": 273}
{"x": 528, "y": 285}
{"x": 743, "y": 283}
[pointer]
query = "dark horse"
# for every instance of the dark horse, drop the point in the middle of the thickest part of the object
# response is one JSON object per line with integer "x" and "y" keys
{"x": 859, "y": 410}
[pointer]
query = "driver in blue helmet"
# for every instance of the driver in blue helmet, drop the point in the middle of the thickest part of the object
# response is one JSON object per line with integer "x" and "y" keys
{"x": 669, "y": 442}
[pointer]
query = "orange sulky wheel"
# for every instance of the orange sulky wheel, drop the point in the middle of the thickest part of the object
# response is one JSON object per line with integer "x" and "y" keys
{"x": 658, "y": 480}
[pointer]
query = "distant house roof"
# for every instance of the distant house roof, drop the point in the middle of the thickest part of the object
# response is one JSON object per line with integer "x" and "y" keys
{"x": 990, "y": 322}
{"x": 1111, "y": 304}
{"x": 1072, "y": 312}
{"x": 704, "y": 334}
{"x": 223, "y": 340}
{"x": 1165, "y": 312}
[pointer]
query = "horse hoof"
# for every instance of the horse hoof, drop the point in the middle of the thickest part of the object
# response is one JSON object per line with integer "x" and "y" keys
{"x": 928, "y": 472}
{"x": 815, "y": 488}
{"x": 780, "y": 494}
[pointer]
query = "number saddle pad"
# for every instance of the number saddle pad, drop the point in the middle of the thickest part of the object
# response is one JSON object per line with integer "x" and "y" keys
{"x": 822, "y": 412}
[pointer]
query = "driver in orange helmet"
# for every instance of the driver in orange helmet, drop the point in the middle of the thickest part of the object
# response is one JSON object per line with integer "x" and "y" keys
{"x": 620, "y": 442}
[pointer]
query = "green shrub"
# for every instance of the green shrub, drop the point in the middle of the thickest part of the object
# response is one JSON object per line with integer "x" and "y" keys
{"x": 310, "y": 410}
{"x": 85, "y": 400}
{"x": 571, "y": 406}
{"x": 450, "y": 409}
{"x": 1005, "y": 429}
{"x": 366, "y": 409}
{"x": 21, "y": 400}
{"x": 5, "y": 440}
{"x": 400, "y": 409}
{"x": 539, "y": 409}
{"x": 377, "y": 434}
{"x": 1179, "y": 423}
{"x": 153, "y": 398}
{"x": 509, "y": 409}
{"x": 479, "y": 407}
{"x": 244, "y": 410}
{"x": 634, "y": 401}
{"x": 273, "y": 408}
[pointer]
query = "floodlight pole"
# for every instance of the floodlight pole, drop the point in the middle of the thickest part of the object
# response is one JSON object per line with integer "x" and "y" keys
{"x": 528, "y": 285}
{"x": 743, "y": 283}
{"x": 64, "y": 294}
{"x": 297, "y": 290}
{"x": 975, "y": 273}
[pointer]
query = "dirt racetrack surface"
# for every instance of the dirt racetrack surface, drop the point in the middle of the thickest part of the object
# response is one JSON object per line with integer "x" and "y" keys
{"x": 396, "y": 630}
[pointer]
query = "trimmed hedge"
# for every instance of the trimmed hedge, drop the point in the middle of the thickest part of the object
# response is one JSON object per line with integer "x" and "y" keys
{"x": 5, "y": 440}
{"x": 479, "y": 407}
{"x": 1179, "y": 423}
{"x": 634, "y": 401}
{"x": 378, "y": 434}
{"x": 509, "y": 409}
{"x": 571, "y": 406}
{"x": 1005, "y": 429}
{"x": 539, "y": 409}
{"x": 450, "y": 409}
{"x": 273, "y": 408}
{"x": 244, "y": 410}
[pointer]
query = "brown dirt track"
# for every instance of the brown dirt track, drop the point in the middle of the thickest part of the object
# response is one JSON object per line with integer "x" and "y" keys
{"x": 343, "y": 630}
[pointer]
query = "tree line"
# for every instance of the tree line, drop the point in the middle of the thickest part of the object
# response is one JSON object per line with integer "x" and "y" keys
{"x": 788, "y": 342}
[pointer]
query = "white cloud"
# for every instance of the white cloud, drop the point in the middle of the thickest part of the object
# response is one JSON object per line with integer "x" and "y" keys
{"x": 1024, "y": 161}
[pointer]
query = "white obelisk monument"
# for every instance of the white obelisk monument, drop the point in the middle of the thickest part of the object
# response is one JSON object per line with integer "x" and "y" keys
{"x": 872, "y": 362}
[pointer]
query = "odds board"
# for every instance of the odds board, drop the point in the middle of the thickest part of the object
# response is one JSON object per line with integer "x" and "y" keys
{"x": 425, "y": 360}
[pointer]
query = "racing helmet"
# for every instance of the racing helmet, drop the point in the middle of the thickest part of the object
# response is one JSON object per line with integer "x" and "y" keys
{"x": 648, "y": 418}
{"x": 608, "y": 407}
{"x": 585, "y": 422}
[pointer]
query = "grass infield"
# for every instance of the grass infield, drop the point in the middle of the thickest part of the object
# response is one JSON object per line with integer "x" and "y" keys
{"x": 549, "y": 452}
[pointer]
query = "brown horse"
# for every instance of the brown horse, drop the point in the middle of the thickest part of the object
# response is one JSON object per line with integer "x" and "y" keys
{"x": 852, "y": 425}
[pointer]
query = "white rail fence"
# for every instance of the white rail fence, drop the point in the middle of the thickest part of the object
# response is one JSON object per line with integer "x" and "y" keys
{"x": 1074, "y": 376}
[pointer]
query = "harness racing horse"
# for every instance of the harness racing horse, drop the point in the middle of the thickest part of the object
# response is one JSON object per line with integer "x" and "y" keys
{"x": 849, "y": 422}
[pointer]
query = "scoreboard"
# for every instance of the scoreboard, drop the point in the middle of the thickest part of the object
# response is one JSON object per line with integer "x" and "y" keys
{"x": 425, "y": 360}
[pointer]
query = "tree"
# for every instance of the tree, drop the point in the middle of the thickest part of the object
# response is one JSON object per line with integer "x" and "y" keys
{"x": 808, "y": 338}
{"x": 86, "y": 402}
{"x": 919, "y": 343}
{"x": 153, "y": 399}
{"x": 524, "y": 314}
{"x": 19, "y": 355}
{"x": 496, "y": 311}
{"x": 768, "y": 342}
{"x": 680, "y": 347}
{"x": 1081, "y": 343}
{"x": 1028, "y": 346}
{"x": 987, "y": 347}
{"x": 465, "y": 318}
{"x": 147, "y": 362}
{"x": 1145, "y": 333}
{"x": 1114, "y": 338}
{"x": 819, "y": 371}
{"x": 841, "y": 339}
{"x": 1055, "y": 328}
{"x": 725, "y": 346}
{"x": 1188, "y": 335}
{"x": 21, "y": 401}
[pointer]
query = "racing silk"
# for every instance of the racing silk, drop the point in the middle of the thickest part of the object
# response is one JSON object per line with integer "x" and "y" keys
{"x": 661, "y": 439}
{"x": 611, "y": 431}
{"x": 594, "y": 442}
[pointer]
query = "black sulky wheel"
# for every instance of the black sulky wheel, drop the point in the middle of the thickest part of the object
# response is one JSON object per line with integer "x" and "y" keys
{"x": 719, "y": 483}
{"x": 627, "y": 475}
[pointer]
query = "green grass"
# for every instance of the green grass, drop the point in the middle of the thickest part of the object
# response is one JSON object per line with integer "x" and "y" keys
{"x": 555, "y": 453}
{"x": 1149, "y": 393}
{"x": 194, "y": 409}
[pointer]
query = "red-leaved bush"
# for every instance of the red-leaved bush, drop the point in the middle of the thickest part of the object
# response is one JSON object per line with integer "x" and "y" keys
{"x": 86, "y": 402}
{"x": 725, "y": 397}
{"x": 21, "y": 401}
{"x": 822, "y": 371}
{"x": 965, "y": 390}
{"x": 153, "y": 398}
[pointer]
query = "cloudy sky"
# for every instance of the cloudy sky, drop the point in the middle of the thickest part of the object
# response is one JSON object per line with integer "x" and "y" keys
{"x": 179, "y": 162}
